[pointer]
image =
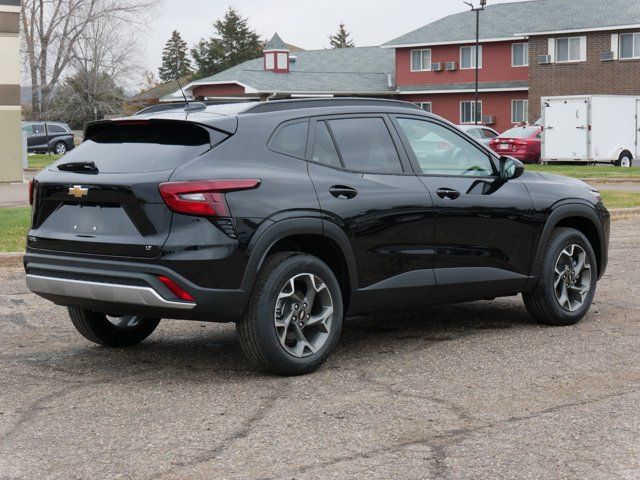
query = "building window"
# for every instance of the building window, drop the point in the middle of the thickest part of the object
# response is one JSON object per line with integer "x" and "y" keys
{"x": 519, "y": 111}
{"x": 282, "y": 61}
{"x": 468, "y": 57}
{"x": 520, "y": 55}
{"x": 630, "y": 45}
{"x": 426, "y": 106}
{"x": 467, "y": 110}
{"x": 270, "y": 61}
{"x": 421, "y": 60}
{"x": 569, "y": 49}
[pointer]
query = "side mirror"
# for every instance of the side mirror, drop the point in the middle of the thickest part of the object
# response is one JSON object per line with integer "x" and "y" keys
{"x": 510, "y": 168}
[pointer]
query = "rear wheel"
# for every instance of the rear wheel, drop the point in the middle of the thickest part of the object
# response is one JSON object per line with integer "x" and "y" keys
{"x": 566, "y": 280}
{"x": 112, "y": 331}
{"x": 625, "y": 160}
{"x": 294, "y": 317}
{"x": 60, "y": 148}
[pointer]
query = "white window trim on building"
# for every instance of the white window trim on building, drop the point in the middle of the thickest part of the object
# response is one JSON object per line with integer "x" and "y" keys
{"x": 636, "y": 43}
{"x": 428, "y": 105}
{"x": 270, "y": 61}
{"x": 525, "y": 54}
{"x": 281, "y": 59}
{"x": 421, "y": 66}
{"x": 582, "y": 49}
{"x": 525, "y": 111}
{"x": 473, "y": 53}
{"x": 473, "y": 107}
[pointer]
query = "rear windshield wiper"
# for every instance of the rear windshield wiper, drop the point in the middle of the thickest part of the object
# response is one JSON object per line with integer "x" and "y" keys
{"x": 84, "y": 167}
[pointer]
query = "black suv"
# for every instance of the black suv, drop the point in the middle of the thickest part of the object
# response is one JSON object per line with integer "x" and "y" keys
{"x": 286, "y": 216}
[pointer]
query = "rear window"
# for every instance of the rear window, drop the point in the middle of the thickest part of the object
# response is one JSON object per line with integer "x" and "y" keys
{"x": 56, "y": 129}
{"x": 128, "y": 147}
{"x": 520, "y": 132}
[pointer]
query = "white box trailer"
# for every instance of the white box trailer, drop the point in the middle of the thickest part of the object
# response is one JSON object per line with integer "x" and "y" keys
{"x": 591, "y": 128}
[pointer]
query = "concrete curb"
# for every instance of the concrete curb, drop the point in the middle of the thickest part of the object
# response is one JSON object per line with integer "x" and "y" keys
{"x": 13, "y": 259}
{"x": 622, "y": 213}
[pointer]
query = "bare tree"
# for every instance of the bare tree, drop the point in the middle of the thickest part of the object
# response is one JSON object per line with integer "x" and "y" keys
{"x": 53, "y": 29}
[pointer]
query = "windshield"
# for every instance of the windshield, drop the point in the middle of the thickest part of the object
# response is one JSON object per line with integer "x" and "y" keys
{"x": 520, "y": 132}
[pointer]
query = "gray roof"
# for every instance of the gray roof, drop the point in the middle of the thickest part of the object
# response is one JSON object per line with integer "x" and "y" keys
{"x": 276, "y": 43}
{"x": 510, "y": 19}
{"x": 348, "y": 70}
{"x": 464, "y": 86}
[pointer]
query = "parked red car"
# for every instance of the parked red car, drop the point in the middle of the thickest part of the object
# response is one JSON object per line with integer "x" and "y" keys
{"x": 522, "y": 143}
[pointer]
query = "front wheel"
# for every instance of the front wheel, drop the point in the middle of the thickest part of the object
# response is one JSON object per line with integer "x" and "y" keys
{"x": 294, "y": 317}
{"x": 112, "y": 331}
{"x": 60, "y": 148}
{"x": 566, "y": 280}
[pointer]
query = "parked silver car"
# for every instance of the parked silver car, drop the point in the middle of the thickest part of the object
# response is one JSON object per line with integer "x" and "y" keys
{"x": 480, "y": 132}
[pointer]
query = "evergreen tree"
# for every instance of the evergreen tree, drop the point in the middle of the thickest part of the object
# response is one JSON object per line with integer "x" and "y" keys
{"x": 234, "y": 42}
{"x": 341, "y": 38}
{"x": 174, "y": 58}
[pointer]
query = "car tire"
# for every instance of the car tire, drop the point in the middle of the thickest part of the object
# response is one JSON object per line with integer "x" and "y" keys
{"x": 114, "y": 332}
{"x": 558, "y": 274}
{"x": 60, "y": 148}
{"x": 278, "y": 322}
{"x": 625, "y": 160}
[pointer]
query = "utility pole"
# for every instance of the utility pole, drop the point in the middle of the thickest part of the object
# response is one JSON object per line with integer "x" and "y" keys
{"x": 483, "y": 3}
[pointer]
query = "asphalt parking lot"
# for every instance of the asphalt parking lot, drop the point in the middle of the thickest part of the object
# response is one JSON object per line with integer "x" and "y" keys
{"x": 474, "y": 391}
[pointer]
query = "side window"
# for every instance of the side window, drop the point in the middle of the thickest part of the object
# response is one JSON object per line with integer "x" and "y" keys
{"x": 38, "y": 129}
{"x": 365, "y": 145}
{"x": 28, "y": 129}
{"x": 442, "y": 152}
{"x": 291, "y": 140}
{"x": 486, "y": 133}
{"x": 475, "y": 133}
{"x": 56, "y": 129}
{"x": 324, "y": 150}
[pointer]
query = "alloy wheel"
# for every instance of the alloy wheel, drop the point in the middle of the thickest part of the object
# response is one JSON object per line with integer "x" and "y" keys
{"x": 303, "y": 315}
{"x": 572, "y": 278}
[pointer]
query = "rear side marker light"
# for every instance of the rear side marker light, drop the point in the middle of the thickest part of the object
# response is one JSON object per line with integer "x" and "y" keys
{"x": 176, "y": 289}
{"x": 203, "y": 198}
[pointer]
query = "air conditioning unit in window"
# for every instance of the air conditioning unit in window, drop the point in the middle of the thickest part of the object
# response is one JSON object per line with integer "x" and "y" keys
{"x": 606, "y": 56}
{"x": 488, "y": 119}
{"x": 451, "y": 66}
{"x": 544, "y": 59}
{"x": 436, "y": 67}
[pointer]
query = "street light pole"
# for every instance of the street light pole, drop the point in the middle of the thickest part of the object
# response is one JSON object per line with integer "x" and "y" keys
{"x": 483, "y": 3}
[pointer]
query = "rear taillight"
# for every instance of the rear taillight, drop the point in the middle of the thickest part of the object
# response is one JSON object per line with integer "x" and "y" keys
{"x": 176, "y": 289}
{"x": 203, "y": 198}
{"x": 31, "y": 191}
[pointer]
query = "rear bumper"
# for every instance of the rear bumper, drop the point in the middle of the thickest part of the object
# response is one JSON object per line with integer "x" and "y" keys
{"x": 116, "y": 287}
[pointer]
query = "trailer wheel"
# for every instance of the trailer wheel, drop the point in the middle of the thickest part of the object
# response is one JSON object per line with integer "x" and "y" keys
{"x": 625, "y": 160}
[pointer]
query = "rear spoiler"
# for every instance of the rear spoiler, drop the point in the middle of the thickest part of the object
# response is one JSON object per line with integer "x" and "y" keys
{"x": 217, "y": 128}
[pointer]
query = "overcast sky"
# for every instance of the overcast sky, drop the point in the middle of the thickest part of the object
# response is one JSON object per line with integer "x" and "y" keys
{"x": 305, "y": 23}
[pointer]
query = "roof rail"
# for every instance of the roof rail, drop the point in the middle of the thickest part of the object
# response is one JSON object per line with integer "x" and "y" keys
{"x": 282, "y": 105}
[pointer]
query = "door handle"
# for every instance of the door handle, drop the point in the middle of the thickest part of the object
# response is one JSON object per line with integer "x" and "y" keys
{"x": 581, "y": 127}
{"x": 448, "y": 193}
{"x": 340, "y": 191}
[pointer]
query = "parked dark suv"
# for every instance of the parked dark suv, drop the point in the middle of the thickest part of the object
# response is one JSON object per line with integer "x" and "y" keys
{"x": 285, "y": 216}
{"x": 44, "y": 137}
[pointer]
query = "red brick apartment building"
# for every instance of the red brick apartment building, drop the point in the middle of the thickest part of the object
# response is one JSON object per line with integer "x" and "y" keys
{"x": 528, "y": 50}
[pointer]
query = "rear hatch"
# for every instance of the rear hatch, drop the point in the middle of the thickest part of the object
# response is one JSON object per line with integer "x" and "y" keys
{"x": 103, "y": 198}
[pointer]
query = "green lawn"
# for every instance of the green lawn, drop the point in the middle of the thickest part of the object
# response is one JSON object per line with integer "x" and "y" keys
{"x": 41, "y": 161}
{"x": 14, "y": 224}
{"x": 617, "y": 199}
{"x": 586, "y": 171}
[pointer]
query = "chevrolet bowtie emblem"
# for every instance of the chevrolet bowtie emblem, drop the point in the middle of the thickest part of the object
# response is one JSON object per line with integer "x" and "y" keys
{"x": 78, "y": 191}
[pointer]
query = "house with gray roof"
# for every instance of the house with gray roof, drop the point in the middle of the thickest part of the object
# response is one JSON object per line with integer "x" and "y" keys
{"x": 527, "y": 50}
